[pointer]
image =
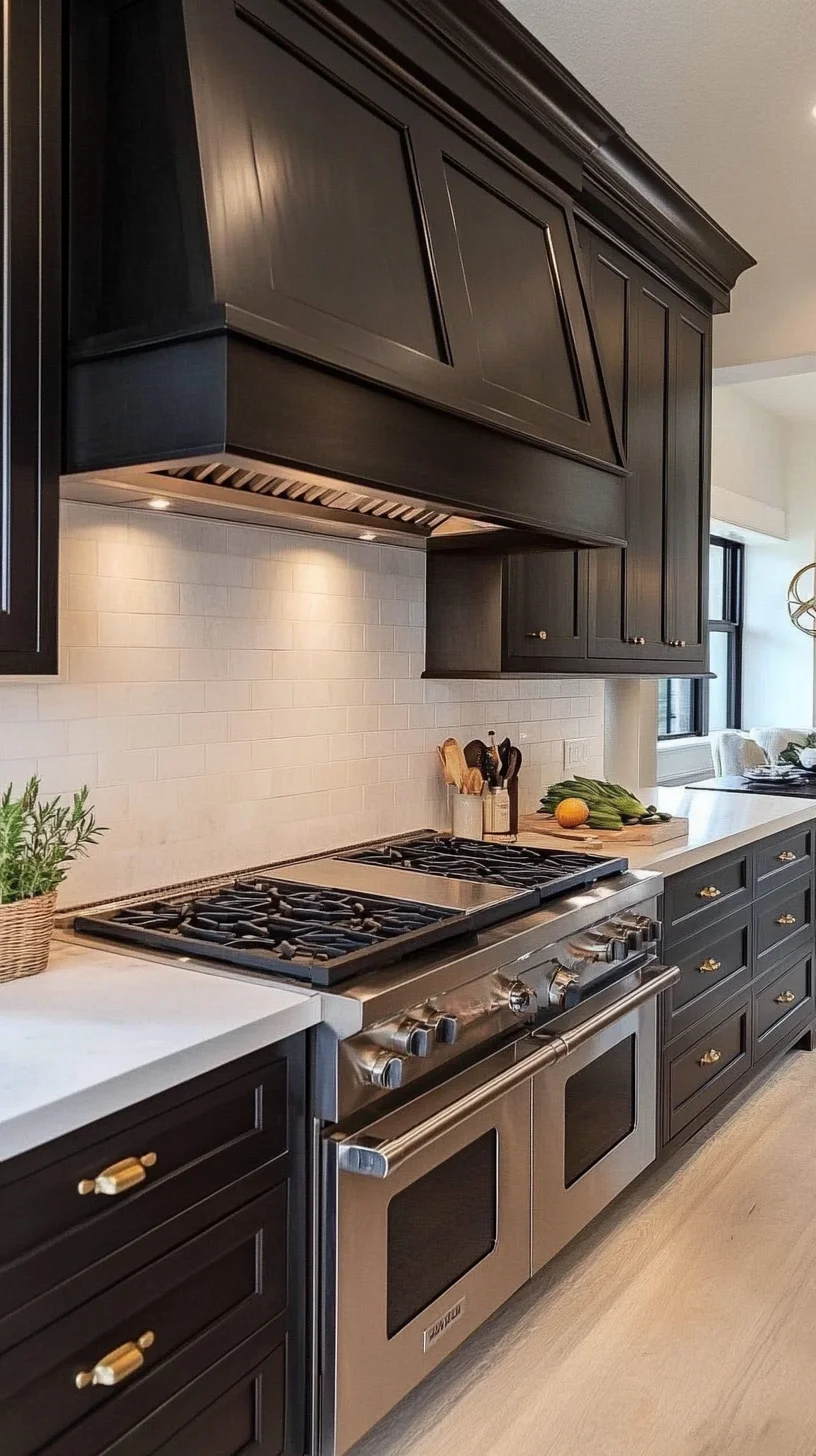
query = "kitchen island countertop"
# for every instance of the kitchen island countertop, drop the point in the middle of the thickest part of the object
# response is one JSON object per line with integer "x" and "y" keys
{"x": 99, "y": 1031}
{"x": 718, "y": 824}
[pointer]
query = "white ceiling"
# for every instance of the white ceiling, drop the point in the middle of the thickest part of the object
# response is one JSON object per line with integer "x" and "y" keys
{"x": 720, "y": 93}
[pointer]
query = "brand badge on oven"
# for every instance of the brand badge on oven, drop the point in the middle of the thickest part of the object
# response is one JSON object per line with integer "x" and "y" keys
{"x": 440, "y": 1327}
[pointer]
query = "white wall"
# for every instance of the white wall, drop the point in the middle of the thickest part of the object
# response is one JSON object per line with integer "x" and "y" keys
{"x": 234, "y": 695}
{"x": 763, "y": 477}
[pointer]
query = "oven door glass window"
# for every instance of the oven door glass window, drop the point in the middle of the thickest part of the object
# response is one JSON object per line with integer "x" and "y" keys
{"x": 599, "y": 1109}
{"x": 440, "y": 1227}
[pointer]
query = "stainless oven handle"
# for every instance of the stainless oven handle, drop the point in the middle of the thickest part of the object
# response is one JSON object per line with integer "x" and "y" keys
{"x": 377, "y": 1159}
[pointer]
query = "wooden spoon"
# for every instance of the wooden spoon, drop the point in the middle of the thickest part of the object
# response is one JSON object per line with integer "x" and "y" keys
{"x": 474, "y": 782}
{"x": 455, "y": 760}
{"x": 445, "y": 770}
{"x": 514, "y": 762}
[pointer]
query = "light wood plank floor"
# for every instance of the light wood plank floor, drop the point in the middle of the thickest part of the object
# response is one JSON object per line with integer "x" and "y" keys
{"x": 682, "y": 1324}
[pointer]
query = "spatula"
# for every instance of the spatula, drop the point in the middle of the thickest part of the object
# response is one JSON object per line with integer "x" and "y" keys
{"x": 455, "y": 760}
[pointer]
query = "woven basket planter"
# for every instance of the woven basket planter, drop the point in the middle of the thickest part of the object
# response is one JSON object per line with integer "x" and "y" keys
{"x": 26, "y": 927}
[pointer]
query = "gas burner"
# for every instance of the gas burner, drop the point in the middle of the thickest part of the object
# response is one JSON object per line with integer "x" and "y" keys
{"x": 550, "y": 871}
{"x": 315, "y": 934}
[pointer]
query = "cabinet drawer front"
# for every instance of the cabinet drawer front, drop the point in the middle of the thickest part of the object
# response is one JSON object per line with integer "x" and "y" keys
{"x": 783, "y": 859}
{"x": 713, "y": 967}
{"x": 247, "y": 1417}
{"x": 706, "y": 893}
{"x": 157, "y": 1330}
{"x": 49, "y": 1230}
{"x": 782, "y": 1004}
{"x": 700, "y": 1074}
{"x": 782, "y": 921}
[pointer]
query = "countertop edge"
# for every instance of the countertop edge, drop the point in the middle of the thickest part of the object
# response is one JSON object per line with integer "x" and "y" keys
{"x": 53, "y": 1120}
{"x": 672, "y": 861}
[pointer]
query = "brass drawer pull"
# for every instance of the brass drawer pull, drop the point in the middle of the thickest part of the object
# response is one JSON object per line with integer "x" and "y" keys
{"x": 636, "y": 641}
{"x": 710, "y": 1058}
{"x": 677, "y": 642}
{"x": 710, "y": 968}
{"x": 120, "y": 1177}
{"x": 786, "y": 919}
{"x": 709, "y": 892}
{"x": 785, "y": 998}
{"x": 540, "y": 636}
{"x": 786, "y": 857}
{"x": 119, "y": 1365}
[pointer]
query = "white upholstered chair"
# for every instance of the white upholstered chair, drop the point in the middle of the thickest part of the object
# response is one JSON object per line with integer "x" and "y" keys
{"x": 774, "y": 741}
{"x": 733, "y": 752}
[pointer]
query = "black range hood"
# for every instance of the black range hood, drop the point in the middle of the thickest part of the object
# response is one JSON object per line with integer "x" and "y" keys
{"x": 316, "y": 279}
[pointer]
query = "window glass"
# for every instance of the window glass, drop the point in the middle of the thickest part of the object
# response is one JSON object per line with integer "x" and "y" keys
{"x": 675, "y": 706}
{"x": 718, "y": 685}
{"x": 716, "y": 582}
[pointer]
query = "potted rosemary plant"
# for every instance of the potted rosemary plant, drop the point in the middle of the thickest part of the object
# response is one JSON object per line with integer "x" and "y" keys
{"x": 39, "y": 840}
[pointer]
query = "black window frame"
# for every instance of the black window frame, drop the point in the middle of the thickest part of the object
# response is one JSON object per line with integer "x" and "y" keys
{"x": 731, "y": 625}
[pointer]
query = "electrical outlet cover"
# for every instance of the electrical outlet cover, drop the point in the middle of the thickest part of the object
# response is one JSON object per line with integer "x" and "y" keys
{"x": 576, "y": 753}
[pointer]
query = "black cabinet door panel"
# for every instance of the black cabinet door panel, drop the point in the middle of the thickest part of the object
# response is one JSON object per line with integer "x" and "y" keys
{"x": 544, "y": 607}
{"x": 686, "y": 598}
{"x": 30, "y": 404}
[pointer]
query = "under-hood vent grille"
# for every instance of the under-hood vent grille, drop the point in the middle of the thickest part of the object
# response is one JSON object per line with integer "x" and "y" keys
{"x": 422, "y": 518}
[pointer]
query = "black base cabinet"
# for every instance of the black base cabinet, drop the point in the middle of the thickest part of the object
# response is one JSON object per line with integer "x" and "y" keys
{"x": 187, "y": 1285}
{"x": 741, "y": 929}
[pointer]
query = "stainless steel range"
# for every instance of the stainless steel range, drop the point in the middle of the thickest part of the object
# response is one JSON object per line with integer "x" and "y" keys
{"x": 484, "y": 1080}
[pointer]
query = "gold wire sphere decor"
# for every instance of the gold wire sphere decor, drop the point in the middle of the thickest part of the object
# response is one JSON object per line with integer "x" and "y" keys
{"x": 802, "y": 600}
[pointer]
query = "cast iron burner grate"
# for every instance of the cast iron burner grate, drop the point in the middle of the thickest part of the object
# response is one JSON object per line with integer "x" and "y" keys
{"x": 550, "y": 871}
{"x": 314, "y": 934}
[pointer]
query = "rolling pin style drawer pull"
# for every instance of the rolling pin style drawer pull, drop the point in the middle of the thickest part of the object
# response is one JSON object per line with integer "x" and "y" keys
{"x": 709, "y": 892}
{"x": 119, "y": 1178}
{"x": 539, "y": 636}
{"x": 785, "y": 998}
{"x": 119, "y": 1365}
{"x": 786, "y": 857}
{"x": 637, "y": 641}
{"x": 786, "y": 919}
{"x": 710, "y": 1058}
{"x": 710, "y": 967}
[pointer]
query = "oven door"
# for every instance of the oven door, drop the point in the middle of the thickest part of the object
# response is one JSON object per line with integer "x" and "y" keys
{"x": 594, "y": 1128}
{"x": 421, "y": 1255}
{"x": 427, "y": 1213}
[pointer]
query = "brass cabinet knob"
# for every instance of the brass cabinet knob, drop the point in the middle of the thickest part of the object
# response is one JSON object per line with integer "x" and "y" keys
{"x": 785, "y": 998}
{"x": 786, "y": 857}
{"x": 710, "y": 1058}
{"x": 709, "y": 892}
{"x": 786, "y": 919}
{"x": 540, "y": 636}
{"x": 119, "y": 1178}
{"x": 117, "y": 1366}
{"x": 710, "y": 968}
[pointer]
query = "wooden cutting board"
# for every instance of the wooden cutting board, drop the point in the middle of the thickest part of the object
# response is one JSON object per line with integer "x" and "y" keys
{"x": 630, "y": 834}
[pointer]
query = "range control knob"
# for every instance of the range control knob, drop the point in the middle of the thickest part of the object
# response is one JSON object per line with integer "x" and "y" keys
{"x": 599, "y": 945}
{"x": 520, "y": 999}
{"x": 563, "y": 990}
{"x": 386, "y": 1071}
{"x": 446, "y": 1027}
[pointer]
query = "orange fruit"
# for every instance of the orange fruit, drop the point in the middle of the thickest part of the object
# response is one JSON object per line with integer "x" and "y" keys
{"x": 571, "y": 813}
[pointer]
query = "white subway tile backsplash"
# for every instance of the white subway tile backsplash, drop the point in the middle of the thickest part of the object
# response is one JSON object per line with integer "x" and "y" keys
{"x": 235, "y": 694}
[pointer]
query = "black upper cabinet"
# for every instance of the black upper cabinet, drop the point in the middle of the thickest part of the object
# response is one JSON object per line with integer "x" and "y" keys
{"x": 524, "y": 611}
{"x": 647, "y": 602}
{"x": 30, "y": 404}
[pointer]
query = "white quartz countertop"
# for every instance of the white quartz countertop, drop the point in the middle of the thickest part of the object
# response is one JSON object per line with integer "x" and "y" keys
{"x": 718, "y": 823}
{"x": 99, "y": 1031}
